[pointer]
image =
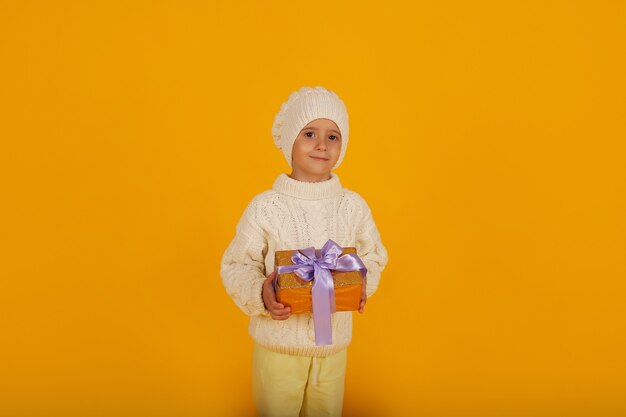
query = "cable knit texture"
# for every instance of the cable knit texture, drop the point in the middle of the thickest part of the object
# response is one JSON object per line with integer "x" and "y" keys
{"x": 295, "y": 215}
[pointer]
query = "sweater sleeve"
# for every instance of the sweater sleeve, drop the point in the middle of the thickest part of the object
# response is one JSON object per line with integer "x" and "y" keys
{"x": 370, "y": 249}
{"x": 242, "y": 266}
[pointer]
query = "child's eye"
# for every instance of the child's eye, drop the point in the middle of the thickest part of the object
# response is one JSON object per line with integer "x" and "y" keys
{"x": 333, "y": 136}
{"x": 307, "y": 134}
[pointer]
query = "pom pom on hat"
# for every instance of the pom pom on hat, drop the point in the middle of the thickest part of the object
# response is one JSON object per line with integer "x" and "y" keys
{"x": 304, "y": 106}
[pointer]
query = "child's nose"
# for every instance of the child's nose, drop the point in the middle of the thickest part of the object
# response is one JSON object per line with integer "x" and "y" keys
{"x": 321, "y": 144}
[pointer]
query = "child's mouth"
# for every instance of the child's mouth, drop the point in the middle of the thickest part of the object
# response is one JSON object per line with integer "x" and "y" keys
{"x": 319, "y": 159}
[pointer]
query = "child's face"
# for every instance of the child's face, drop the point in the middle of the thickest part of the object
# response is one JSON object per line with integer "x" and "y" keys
{"x": 316, "y": 150}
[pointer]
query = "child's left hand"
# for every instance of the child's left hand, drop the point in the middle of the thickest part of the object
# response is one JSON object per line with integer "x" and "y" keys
{"x": 363, "y": 296}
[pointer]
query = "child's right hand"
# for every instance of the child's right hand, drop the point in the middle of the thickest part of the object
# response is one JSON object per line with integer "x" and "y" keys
{"x": 277, "y": 310}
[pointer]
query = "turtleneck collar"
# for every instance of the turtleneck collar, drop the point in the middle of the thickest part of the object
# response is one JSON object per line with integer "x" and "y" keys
{"x": 284, "y": 184}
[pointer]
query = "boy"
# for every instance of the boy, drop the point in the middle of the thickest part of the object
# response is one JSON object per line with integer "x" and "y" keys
{"x": 292, "y": 376}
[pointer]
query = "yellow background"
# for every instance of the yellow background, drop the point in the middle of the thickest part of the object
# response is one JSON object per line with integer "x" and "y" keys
{"x": 487, "y": 137}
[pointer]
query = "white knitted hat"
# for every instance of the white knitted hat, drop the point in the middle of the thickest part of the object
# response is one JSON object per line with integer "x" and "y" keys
{"x": 304, "y": 106}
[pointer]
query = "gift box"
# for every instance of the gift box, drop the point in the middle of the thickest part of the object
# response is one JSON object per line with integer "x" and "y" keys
{"x": 322, "y": 281}
{"x": 293, "y": 291}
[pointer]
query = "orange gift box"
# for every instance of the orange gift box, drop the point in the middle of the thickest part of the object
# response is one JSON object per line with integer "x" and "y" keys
{"x": 293, "y": 291}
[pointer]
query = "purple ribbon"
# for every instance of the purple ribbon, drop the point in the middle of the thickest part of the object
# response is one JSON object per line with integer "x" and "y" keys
{"x": 311, "y": 264}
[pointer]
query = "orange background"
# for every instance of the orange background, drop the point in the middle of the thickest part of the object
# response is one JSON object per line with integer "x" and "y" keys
{"x": 487, "y": 137}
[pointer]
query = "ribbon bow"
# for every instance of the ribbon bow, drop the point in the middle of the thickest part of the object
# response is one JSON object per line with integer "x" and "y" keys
{"x": 311, "y": 264}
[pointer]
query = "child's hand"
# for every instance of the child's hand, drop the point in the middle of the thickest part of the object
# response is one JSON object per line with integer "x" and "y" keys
{"x": 363, "y": 296}
{"x": 276, "y": 309}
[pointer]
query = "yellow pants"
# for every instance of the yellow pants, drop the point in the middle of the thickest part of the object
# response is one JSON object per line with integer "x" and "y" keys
{"x": 298, "y": 386}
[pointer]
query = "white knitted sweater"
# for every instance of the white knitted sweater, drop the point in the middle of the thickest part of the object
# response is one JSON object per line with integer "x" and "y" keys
{"x": 296, "y": 215}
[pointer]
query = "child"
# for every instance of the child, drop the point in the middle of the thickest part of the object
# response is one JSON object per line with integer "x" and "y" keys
{"x": 292, "y": 376}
